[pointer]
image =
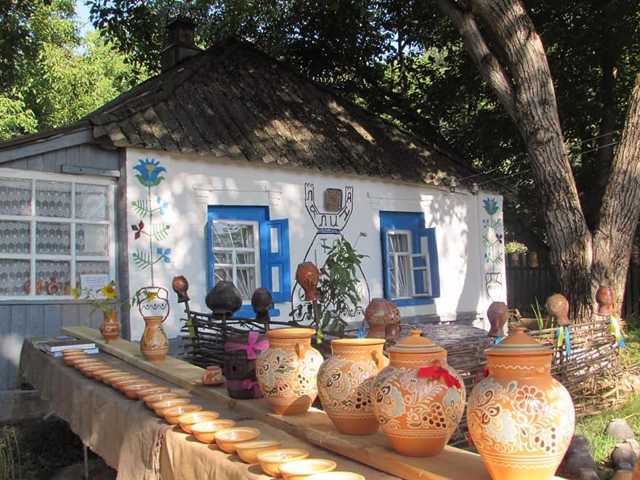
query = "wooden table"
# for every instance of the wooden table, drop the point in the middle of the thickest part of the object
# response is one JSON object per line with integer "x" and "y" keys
{"x": 313, "y": 427}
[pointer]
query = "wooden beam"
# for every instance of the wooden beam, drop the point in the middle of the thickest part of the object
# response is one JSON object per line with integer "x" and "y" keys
{"x": 43, "y": 145}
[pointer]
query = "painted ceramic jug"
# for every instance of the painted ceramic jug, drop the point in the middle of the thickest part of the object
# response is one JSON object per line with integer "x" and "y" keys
{"x": 287, "y": 371}
{"x": 520, "y": 418}
{"x": 345, "y": 380}
{"x": 110, "y": 327}
{"x": 418, "y": 399}
{"x": 153, "y": 304}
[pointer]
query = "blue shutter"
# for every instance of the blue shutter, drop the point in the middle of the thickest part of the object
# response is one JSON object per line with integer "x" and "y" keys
{"x": 426, "y": 237}
{"x": 275, "y": 262}
{"x": 386, "y": 268}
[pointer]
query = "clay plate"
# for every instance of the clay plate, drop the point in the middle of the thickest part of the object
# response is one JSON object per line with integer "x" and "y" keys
{"x": 171, "y": 415}
{"x": 249, "y": 451}
{"x": 227, "y": 439}
{"x": 301, "y": 469}
{"x": 205, "y": 432}
{"x": 192, "y": 418}
{"x": 271, "y": 461}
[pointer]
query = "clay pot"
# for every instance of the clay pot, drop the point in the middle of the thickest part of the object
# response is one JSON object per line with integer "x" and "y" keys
{"x": 345, "y": 380}
{"x": 520, "y": 418}
{"x": 532, "y": 260}
{"x": 224, "y": 298}
{"x": 110, "y": 327}
{"x": 287, "y": 371}
{"x": 240, "y": 365}
{"x": 497, "y": 313}
{"x": 153, "y": 303}
{"x": 180, "y": 285}
{"x": 418, "y": 399}
{"x": 606, "y": 300}
{"x": 212, "y": 376}
{"x": 558, "y": 308}
{"x": 308, "y": 276}
{"x": 383, "y": 319}
{"x": 262, "y": 302}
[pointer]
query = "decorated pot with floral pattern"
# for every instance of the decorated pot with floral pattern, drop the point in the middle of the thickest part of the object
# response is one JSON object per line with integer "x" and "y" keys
{"x": 287, "y": 371}
{"x": 520, "y": 418}
{"x": 418, "y": 399}
{"x": 345, "y": 380}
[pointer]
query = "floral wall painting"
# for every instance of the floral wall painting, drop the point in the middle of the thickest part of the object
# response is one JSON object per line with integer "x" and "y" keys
{"x": 148, "y": 231}
{"x": 492, "y": 239}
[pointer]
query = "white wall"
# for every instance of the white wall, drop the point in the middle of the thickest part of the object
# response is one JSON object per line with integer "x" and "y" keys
{"x": 194, "y": 182}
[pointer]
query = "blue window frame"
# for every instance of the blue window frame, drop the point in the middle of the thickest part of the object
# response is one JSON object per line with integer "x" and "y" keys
{"x": 409, "y": 259}
{"x": 245, "y": 246}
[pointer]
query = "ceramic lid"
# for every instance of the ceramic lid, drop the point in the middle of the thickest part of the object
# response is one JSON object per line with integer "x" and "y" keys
{"x": 416, "y": 343}
{"x": 519, "y": 343}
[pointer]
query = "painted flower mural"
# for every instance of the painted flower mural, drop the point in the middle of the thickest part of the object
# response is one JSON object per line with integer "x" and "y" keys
{"x": 149, "y": 171}
{"x": 493, "y": 243}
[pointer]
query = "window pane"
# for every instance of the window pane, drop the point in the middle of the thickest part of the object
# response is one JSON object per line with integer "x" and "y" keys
{"x": 236, "y": 235}
{"x": 90, "y": 268}
{"x": 246, "y": 258}
{"x": 15, "y": 277}
{"x": 53, "y": 238}
{"x": 224, "y": 274}
{"x": 401, "y": 279}
{"x": 223, "y": 257}
{"x": 92, "y": 202}
{"x": 15, "y": 196}
{"x": 52, "y": 278}
{"x": 246, "y": 282}
{"x": 53, "y": 199}
{"x": 399, "y": 242}
{"x": 15, "y": 237}
{"x": 92, "y": 239}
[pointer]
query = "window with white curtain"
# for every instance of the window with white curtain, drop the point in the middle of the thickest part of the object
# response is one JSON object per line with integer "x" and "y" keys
{"x": 53, "y": 230}
{"x": 400, "y": 264}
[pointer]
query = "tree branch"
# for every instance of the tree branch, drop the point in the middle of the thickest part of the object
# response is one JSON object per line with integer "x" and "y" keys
{"x": 487, "y": 63}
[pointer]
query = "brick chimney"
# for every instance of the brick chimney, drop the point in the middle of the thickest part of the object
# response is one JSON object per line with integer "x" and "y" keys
{"x": 179, "y": 44}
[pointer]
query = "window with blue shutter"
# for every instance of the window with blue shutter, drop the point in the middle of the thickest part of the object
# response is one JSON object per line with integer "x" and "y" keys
{"x": 409, "y": 258}
{"x": 246, "y": 247}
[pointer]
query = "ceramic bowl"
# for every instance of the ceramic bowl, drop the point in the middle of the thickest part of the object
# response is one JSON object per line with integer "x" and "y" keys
{"x": 71, "y": 360}
{"x": 186, "y": 420}
{"x": 89, "y": 370}
{"x": 336, "y": 476}
{"x": 147, "y": 392}
{"x": 157, "y": 397}
{"x": 271, "y": 461}
{"x": 86, "y": 362}
{"x": 205, "y": 432}
{"x": 108, "y": 378}
{"x": 121, "y": 384}
{"x": 132, "y": 391}
{"x": 226, "y": 440}
{"x": 160, "y": 407}
{"x": 98, "y": 374}
{"x": 171, "y": 415}
{"x": 302, "y": 469}
{"x": 249, "y": 451}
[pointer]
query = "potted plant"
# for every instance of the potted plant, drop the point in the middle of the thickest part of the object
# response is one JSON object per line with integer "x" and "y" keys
{"x": 105, "y": 299}
{"x": 514, "y": 250}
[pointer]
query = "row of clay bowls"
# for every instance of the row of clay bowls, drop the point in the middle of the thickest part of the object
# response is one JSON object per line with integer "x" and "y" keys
{"x": 175, "y": 407}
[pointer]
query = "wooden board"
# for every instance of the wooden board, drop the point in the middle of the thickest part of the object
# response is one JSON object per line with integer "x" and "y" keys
{"x": 314, "y": 426}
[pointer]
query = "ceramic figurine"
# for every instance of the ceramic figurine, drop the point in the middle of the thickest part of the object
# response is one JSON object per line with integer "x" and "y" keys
{"x": 497, "y": 313}
{"x": 520, "y": 418}
{"x": 240, "y": 355}
{"x": 383, "y": 319}
{"x": 212, "y": 376}
{"x": 418, "y": 399}
{"x": 287, "y": 371}
{"x": 224, "y": 298}
{"x": 110, "y": 327}
{"x": 153, "y": 304}
{"x": 180, "y": 285}
{"x": 308, "y": 276}
{"x": 345, "y": 380}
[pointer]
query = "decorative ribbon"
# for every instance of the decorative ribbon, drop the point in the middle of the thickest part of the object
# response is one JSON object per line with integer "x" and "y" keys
{"x": 563, "y": 336}
{"x": 246, "y": 384}
{"x": 616, "y": 330}
{"x": 362, "y": 331}
{"x": 485, "y": 372}
{"x": 436, "y": 371}
{"x": 497, "y": 340}
{"x": 252, "y": 347}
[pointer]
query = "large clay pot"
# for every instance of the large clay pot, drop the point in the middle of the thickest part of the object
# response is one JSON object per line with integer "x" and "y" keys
{"x": 224, "y": 298}
{"x": 606, "y": 300}
{"x": 418, "y": 399}
{"x": 383, "y": 319}
{"x": 153, "y": 304}
{"x": 110, "y": 327}
{"x": 308, "y": 276}
{"x": 520, "y": 418}
{"x": 497, "y": 313}
{"x": 345, "y": 380}
{"x": 287, "y": 371}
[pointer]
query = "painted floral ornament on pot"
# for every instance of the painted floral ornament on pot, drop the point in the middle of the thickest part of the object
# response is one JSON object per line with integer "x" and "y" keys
{"x": 287, "y": 371}
{"x": 418, "y": 399}
{"x": 520, "y": 418}
{"x": 345, "y": 381}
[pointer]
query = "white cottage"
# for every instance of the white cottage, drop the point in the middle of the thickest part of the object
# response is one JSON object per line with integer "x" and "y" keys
{"x": 228, "y": 165}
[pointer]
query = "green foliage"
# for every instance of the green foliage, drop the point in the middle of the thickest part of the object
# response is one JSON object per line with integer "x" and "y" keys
{"x": 338, "y": 287}
{"x": 537, "y": 313}
{"x": 9, "y": 455}
{"x": 15, "y": 117}
{"x": 142, "y": 259}
{"x": 515, "y": 247}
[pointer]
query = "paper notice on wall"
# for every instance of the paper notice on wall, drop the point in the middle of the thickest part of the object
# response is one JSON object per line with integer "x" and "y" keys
{"x": 94, "y": 282}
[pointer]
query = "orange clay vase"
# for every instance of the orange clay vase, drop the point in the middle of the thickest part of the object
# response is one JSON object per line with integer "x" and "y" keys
{"x": 345, "y": 380}
{"x": 287, "y": 371}
{"x": 520, "y": 418}
{"x": 418, "y": 399}
{"x": 110, "y": 327}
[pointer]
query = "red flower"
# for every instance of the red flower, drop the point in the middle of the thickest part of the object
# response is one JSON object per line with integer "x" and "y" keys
{"x": 436, "y": 371}
{"x": 138, "y": 229}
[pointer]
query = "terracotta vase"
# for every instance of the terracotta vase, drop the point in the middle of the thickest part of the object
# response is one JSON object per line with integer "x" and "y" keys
{"x": 497, "y": 313}
{"x": 557, "y": 306}
{"x": 606, "y": 300}
{"x": 418, "y": 399}
{"x": 153, "y": 304}
{"x": 212, "y": 375}
{"x": 345, "y": 380}
{"x": 110, "y": 327}
{"x": 532, "y": 260}
{"x": 308, "y": 276}
{"x": 520, "y": 418}
{"x": 287, "y": 371}
{"x": 383, "y": 319}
